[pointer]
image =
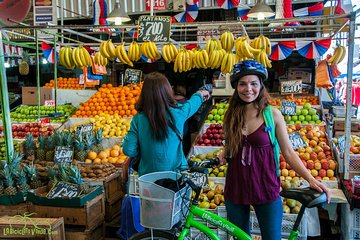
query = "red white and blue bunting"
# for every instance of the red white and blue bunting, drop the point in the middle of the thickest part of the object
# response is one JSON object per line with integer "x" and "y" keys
{"x": 227, "y": 4}
{"x": 281, "y": 50}
{"x": 313, "y": 49}
{"x": 49, "y": 53}
{"x": 191, "y": 12}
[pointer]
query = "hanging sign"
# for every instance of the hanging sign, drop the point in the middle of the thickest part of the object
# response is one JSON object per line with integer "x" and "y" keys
{"x": 63, "y": 154}
{"x": 290, "y": 87}
{"x": 288, "y": 108}
{"x": 157, "y": 5}
{"x": 64, "y": 190}
{"x": 44, "y": 12}
{"x": 154, "y": 28}
{"x": 296, "y": 140}
{"x": 84, "y": 128}
{"x": 132, "y": 76}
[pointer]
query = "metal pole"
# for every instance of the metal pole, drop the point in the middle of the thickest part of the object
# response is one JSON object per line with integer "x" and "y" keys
{"x": 62, "y": 20}
{"x": 5, "y": 107}
{"x": 348, "y": 94}
{"x": 55, "y": 72}
{"x": 151, "y": 7}
{"x": 37, "y": 72}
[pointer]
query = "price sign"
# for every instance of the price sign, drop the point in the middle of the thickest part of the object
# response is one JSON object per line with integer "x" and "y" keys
{"x": 84, "y": 128}
{"x": 154, "y": 28}
{"x": 296, "y": 140}
{"x": 157, "y": 5}
{"x": 341, "y": 143}
{"x": 288, "y": 108}
{"x": 44, "y": 120}
{"x": 64, "y": 190}
{"x": 49, "y": 103}
{"x": 290, "y": 87}
{"x": 63, "y": 154}
{"x": 132, "y": 76}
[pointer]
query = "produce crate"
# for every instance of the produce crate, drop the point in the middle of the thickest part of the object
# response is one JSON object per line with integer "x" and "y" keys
{"x": 89, "y": 216}
{"x": 38, "y": 196}
{"x": 340, "y": 111}
{"x": 12, "y": 210}
{"x": 354, "y": 202}
{"x": 79, "y": 233}
{"x": 113, "y": 186}
{"x": 350, "y": 222}
{"x": 32, "y": 228}
{"x": 287, "y": 225}
{"x": 19, "y": 197}
{"x": 112, "y": 210}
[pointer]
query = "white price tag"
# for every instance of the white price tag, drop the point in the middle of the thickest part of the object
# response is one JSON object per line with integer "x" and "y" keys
{"x": 49, "y": 103}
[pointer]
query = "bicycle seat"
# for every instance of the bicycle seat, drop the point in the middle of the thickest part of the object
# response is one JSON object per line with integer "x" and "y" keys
{"x": 306, "y": 196}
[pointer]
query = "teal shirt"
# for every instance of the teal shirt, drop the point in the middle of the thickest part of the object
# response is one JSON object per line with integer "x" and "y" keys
{"x": 157, "y": 156}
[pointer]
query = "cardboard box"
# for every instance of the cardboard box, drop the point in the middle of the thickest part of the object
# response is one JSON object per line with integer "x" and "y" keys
{"x": 29, "y": 95}
{"x": 300, "y": 74}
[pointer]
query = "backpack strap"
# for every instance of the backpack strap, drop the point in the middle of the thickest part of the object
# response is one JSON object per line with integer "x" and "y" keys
{"x": 270, "y": 128}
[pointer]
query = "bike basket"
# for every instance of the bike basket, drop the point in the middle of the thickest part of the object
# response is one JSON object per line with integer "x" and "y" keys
{"x": 162, "y": 208}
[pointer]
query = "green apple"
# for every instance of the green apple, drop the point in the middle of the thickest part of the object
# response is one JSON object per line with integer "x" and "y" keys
{"x": 298, "y": 111}
{"x": 214, "y": 111}
{"x": 307, "y": 106}
{"x": 294, "y": 118}
{"x": 315, "y": 117}
{"x": 221, "y": 105}
{"x": 305, "y": 122}
{"x": 304, "y": 112}
{"x": 301, "y": 118}
{"x": 217, "y": 117}
{"x": 210, "y": 117}
{"x": 312, "y": 111}
{"x": 221, "y": 111}
{"x": 308, "y": 118}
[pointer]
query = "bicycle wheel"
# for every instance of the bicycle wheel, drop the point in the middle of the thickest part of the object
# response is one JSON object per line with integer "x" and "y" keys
{"x": 156, "y": 235}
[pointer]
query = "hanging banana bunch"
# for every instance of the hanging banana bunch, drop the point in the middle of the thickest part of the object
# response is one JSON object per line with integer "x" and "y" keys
{"x": 100, "y": 60}
{"x": 338, "y": 56}
{"x": 149, "y": 50}
{"x": 227, "y": 41}
{"x": 215, "y": 58}
{"x": 107, "y": 49}
{"x": 183, "y": 61}
{"x": 201, "y": 59}
{"x": 134, "y": 51}
{"x": 120, "y": 53}
{"x": 169, "y": 52}
{"x": 228, "y": 62}
{"x": 81, "y": 57}
{"x": 65, "y": 57}
{"x": 212, "y": 44}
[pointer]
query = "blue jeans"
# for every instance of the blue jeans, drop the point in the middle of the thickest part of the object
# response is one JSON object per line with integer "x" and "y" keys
{"x": 269, "y": 217}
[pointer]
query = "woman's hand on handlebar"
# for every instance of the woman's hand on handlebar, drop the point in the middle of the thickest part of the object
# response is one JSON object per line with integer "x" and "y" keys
{"x": 205, "y": 94}
{"x": 315, "y": 184}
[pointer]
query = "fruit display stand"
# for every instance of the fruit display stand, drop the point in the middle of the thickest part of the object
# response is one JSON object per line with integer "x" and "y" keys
{"x": 32, "y": 228}
{"x": 113, "y": 192}
{"x": 209, "y": 139}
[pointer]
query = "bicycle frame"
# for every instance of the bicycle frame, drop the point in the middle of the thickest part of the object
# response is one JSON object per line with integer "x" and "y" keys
{"x": 214, "y": 220}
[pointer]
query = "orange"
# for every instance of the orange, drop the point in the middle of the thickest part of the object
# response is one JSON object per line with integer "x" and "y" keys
{"x": 88, "y": 161}
{"x": 92, "y": 155}
{"x": 114, "y": 153}
{"x": 107, "y": 151}
{"x": 97, "y": 160}
{"x": 102, "y": 155}
{"x": 116, "y": 147}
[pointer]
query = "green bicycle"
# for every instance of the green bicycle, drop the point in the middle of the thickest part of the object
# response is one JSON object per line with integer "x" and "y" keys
{"x": 309, "y": 198}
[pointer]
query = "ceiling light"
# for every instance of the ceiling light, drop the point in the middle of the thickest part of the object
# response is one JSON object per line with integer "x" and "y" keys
{"x": 118, "y": 15}
{"x": 260, "y": 11}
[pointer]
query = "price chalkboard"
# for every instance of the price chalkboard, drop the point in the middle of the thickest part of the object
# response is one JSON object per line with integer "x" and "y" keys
{"x": 84, "y": 128}
{"x": 296, "y": 140}
{"x": 341, "y": 143}
{"x": 288, "y": 108}
{"x": 154, "y": 28}
{"x": 64, "y": 190}
{"x": 63, "y": 154}
{"x": 290, "y": 87}
{"x": 132, "y": 76}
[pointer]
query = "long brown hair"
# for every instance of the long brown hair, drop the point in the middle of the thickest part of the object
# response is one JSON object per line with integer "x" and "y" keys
{"x": 155, "y": 99}
{"x": 234, "y": 119}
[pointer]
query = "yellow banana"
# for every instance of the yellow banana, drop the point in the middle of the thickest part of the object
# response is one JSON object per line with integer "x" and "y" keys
{"x": 208, "y": 45}
{"x": 62, "y": 56}
{"x": 194, "y": 60}
{"x": 103, "y": 50}
{"x": 75, "y": 57}
{"x": 164, "y": 53}
{"x": 223, "y": 39}
{"x": 212, "y": 58}
{"x": 268, "y": 46}
{"x": 336, "y": 56}
{"x": 174, "y": 51}
{"x": 342, "y": 55}
{"x": 251, "y": 49}
{"x": 206, "y": 58}
{"x": 187, "y": 60}
{"x": 134, "y": 51}
{"x": 86, "y": 55}
{"x": 69, "y": 63}
{"x": 110, "y": 49}
{"x": 224, "y": 63}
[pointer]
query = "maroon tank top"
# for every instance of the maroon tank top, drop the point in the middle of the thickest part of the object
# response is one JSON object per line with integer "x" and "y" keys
{"x": 251, "y": 175}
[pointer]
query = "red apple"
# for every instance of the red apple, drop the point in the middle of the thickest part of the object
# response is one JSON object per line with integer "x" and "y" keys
{"x": 332, "y": 164}
{"x": 310, "y": 164}
{"x": 282, "y": 165}
{"x": 313, "y": 156}
{"x": 322, "y": 173}
{"x": 324, "y": 164}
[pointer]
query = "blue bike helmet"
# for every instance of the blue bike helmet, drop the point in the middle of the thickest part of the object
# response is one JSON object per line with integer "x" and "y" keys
{"x": 248, "y": 67}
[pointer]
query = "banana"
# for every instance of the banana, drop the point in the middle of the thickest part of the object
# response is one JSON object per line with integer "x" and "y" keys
{"x": 174, "y": 51}
{"x": 110, "y": 49}
{"x": 251, "y": 49}
{"x": 206, "y": 58}
{"x": 68, "y": 61}
{"x": 212, "y": 58}
{"x": 180, "y": 60}
{"x": 165, "y": 53}
{"x": 144, "y": 49}
{"x": 103, "y": 50}
{"x": 85, "y": 57}
{"x": 227, "y": 41}
{"x": 187, "y": 60}
{"x": 75, "y": 57}
{"x": 343, "y": 54}
{"x": 224, "y": 63}
{"x": 194, "y": 59}
{"x": 336, "y": 56}
{"x": 125, "y": 56}
{"x": 209, "y": 46}
{"x": 62, "y": 56}
{"x": 268, "y": 46}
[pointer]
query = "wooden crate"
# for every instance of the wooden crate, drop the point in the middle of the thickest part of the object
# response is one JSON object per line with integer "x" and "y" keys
{"x": 88, "y": 216}
{"x": 19, "y": 227}
{"x": 113, "y": 186}
{"x": 12, "y": 210}
{"x": 112, "y": 209}
{"x": 79, "y": 233}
